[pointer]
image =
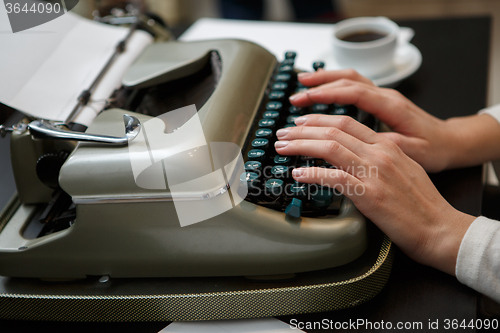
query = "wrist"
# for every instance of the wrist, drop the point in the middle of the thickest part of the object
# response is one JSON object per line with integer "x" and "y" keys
{"x": 455, "y": 141}
{"x": 443, "y": 140}
{"x": 471, "y": 140}
{"x": 447, "y": 240}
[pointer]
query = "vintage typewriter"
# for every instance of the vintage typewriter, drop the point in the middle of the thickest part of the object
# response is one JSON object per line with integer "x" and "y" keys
{"x": 80, "y": 213}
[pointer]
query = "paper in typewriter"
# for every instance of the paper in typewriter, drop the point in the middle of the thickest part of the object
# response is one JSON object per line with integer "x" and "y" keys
{"x": 44, "y": 69}
{"x": 311, "y": 41}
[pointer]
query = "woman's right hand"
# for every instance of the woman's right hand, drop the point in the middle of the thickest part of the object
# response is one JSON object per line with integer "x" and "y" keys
{"x": 387, "y": 186}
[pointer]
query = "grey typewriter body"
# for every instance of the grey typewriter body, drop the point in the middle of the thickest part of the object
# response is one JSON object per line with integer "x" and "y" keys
{"x": 122, "y": 230}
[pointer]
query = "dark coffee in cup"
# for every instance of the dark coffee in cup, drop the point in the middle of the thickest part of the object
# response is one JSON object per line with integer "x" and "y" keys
{"x": 363, "y": 36}
{"x": 366, "y": 44}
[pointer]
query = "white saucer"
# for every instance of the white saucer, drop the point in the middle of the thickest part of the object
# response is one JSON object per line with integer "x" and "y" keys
{"x": 406, "y": 62}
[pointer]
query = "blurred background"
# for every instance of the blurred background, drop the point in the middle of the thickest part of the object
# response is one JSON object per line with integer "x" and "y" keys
{"x": 179, "y": 14}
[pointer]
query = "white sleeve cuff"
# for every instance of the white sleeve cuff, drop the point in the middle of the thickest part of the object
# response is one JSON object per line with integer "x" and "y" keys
{"x": 478, "y": 261}
{"x": 493, "y": 111}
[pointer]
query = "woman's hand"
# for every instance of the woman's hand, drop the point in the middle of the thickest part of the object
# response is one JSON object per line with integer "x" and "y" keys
{"x": 386, "y": 185}
{"x": 433, "y": 143}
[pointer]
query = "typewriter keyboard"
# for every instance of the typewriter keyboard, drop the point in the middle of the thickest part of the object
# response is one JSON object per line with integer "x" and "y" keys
{"x": 268, "y": 176}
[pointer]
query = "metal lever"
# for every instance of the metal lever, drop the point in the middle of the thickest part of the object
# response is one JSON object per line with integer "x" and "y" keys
{"x": 42, "y": 129}
{"x": 4, "y": 130}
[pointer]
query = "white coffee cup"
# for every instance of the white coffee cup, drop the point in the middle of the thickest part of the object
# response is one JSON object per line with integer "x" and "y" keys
{"x": 370, "y": 58}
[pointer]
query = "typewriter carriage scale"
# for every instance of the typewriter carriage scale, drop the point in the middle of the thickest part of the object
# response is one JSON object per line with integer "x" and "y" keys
{"x": 103, "y": 224}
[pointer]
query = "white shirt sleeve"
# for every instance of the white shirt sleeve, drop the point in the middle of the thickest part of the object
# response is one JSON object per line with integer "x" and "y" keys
{"x": 478, "y": 261}
{"x": 493, "y": 111}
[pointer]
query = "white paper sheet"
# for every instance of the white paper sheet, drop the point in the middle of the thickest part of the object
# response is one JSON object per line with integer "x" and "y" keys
{"x": 312, "y": 42}
{"x": 43, "y": 70}
{"x": 263, "y": 325}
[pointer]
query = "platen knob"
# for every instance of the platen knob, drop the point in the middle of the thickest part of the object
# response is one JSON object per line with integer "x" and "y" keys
{"x": 48, "y": 167}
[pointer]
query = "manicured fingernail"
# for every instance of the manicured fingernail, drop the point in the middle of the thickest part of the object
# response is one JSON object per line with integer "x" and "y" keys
{"x": 298, "y": 172}
{"x": 281, "y": 144}
{"x": 305, "y": 75}
{"x": 282, "y": 132}
{"x": 300, "y": 120}
{"x": 297, "y": 96}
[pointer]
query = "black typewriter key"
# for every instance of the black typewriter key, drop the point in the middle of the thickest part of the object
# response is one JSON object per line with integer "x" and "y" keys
{"x": 289, "y": 62}
{"x": 298, "y": 190}
{"x": 251, "y": 179}
{"x": 290, "y": 55}
{"x": 339, "y": 111}
{"x": 307, "y": 161}
{"x": 346, "y": 110}
{"x": 260, "y": 143}
{"x": 321, "y": 196}
{"x": 282, "y": 77}
{"x": 318, "y": 163}
{"x": 271, "y": 115}
{"x": 290, "y": 125}
{"x": 319, "y": 108}
{"x": 267, "y": 123}
{"x": 294, "y": 208}
{"x": 301, "y": 89}
{"x": 256, "y": 155}
{"x": 279, "y": 86}
{"x": 285, "y": 69}
{"x": 279, "y": 159}
{"x": 318, "y": 64}
{"x": 274, "y": 106}
{"x": 295, "y": 110}
{"x": 280, "y": 171}
{"x": 327, "y": 164}
{"x": 291, "y": 119}
{"x": 277, "y": 95}
{"x": 266, "y": 133}
{"x": 324, "y": 164}
{"x": 253, "y": 166}
{"x": 274, "y": 186}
